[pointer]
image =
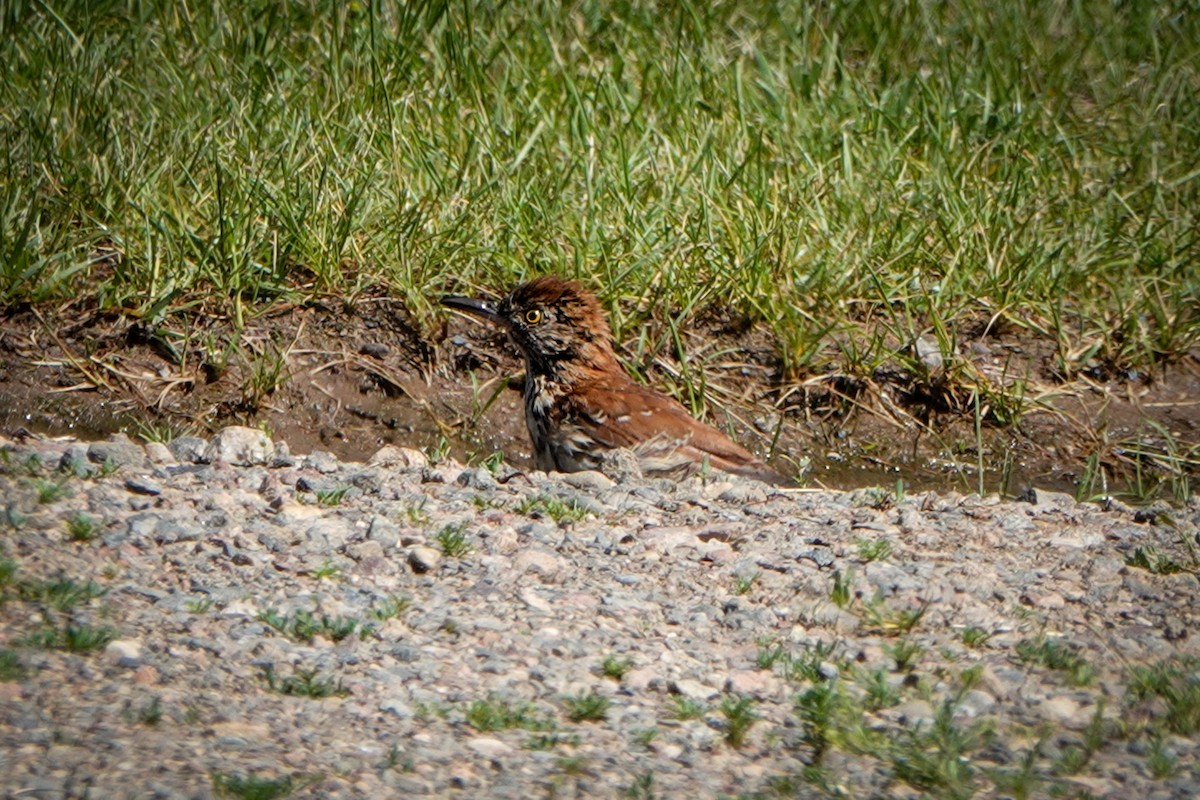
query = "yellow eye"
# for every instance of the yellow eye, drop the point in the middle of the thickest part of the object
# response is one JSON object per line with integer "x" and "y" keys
{"x": 533, "y": 316}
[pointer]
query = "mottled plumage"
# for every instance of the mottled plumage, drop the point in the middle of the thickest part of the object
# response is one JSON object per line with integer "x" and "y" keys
{"x": 580, "y": 402}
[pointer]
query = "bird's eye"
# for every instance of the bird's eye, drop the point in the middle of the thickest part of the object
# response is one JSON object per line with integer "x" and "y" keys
{"x": 533, "y": 316}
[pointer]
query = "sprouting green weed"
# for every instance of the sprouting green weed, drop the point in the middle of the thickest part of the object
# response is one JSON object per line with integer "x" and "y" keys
{"x": 61, "y": 594}
{"x": 842, "y": 593}
{"x": 82, "y": 527}
{"x": 880, "y": 691}
{"x": 494, "y": 461}
{"x": 1149, "y": 559}
{"x": 561, "y": 511}
{"x": 615, "y": 666}
{"x": 250, "y": 787}
{"x": 82, "y": 638}
{"x": 769, "y": 654}
{"x": 819, "y": 708}
{"x": 742, "y": 584}
{"x": 305, "y": 683}
{"x": 1057, "y": 655}
{"x": 644, "y": 737}
{"x": 739, "y": 718}
{"x": 587, "y": 707}
{"x": 812, "y": 664}
{"x": 151, "y": 714}
{"x": 571, "y": 765}
{"x": 937, "y": 758}
{"x": 1023, "y": 781}
{"x": 332, "y": 497}
{"x": 905, "y": 653}
{"x": 551, "y": 740}
{"x": 497, "y": 713}
{"x": 453, "y": 541}
{"x": 8, "y": 574}
{"x": 873, "y": 549}
{"x": 1175, "y": 683}
{"x": 1160, "y": 761}
{"x": 304, "y": 626}
{"x": 685, "y": 708}
{"x": 11, "y": 668}
{"x": 879, "y": 616}
{"x": 415, "y": 513}
{"x": 200, "y": 606}
{"x": 391, "y": 607}
{"x": 973, "y": 636}
{"x": 326, "y": 570}
{"x": 48, "y": 491}
{"x": 642, "y": 788}
{"x": 439, "y": 451}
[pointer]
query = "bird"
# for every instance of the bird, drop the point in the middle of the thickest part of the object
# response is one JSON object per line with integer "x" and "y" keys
{"x": 581, "y": 404}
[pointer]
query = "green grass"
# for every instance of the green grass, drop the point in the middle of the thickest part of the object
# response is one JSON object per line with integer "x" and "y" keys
{"x": 586, "y": 707}
{"x": 453, "y": 541}
{"x": 305, "y": 683}
{"x": 1057, "y": 655}
{"x": 250, "y": 787}
{"x": 555, "y": 508}
{"x": 496, "y": 713}
{"x": 849, "y": 175}
{"x": 304, "y": 626}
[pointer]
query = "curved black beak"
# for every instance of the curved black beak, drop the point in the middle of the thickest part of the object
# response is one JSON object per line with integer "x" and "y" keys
{"x": 473, "y": 307}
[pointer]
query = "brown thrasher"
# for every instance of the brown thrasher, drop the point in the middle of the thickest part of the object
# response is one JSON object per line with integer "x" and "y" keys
{"x": 581, "y": 403}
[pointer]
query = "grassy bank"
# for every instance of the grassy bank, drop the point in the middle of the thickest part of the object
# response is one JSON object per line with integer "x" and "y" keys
{"x": 850, "y": 175}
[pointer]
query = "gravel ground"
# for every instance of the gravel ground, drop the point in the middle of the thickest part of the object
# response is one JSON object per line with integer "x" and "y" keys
{"x": 492, "y": 633}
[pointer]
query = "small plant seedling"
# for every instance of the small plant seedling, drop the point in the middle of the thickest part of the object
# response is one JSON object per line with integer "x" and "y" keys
{"x": 879, "y": 616}
{"x": 390, "y": 608}
{"x": 615, "y": 667}
{"x": 842, "y": 594}
{"x": 326, "y": 570}
{"x": 587, "y": 707}
{"x": 742, "y": 584}
{"x": 739, "y": 717}
{"x": 973, "y": 636}
{"x": 1059, "y": 656}
{"x": 251, "y": 787}
{"x": 645, "y": 736}
{"x": 769, "y": 655}
{"x": 904, "y": 653}
{"x": 200, "y": 606}
{"x": 453, "y": 541}
{"x": 305, "y": 683}
{"x": 332, "y": 497}
{"x": 873, "y": 549}
{"x": 496, "y": 714}
{"x": 11, "y": 668}
{"x": 684, "y": 708}
{"x": 50, "y": 491}
{"x": 560, "y": 511}
{"x": 1149, "y": 559}
{"x": 81, "y": 527}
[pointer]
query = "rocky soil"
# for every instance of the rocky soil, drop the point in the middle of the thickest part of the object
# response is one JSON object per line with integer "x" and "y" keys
{"x": 223, "y": 618}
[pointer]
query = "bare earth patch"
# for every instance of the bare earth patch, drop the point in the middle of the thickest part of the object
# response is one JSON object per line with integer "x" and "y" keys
{"x": 349, "y": 381}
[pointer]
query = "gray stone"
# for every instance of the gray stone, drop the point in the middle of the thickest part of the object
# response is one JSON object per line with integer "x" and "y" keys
{"x": 124, "y": 652}
{"x": 424, "y": 559}
{"x": 589, "y": 480}
{"x": 143, "y": 485}
{"x": 118, "y": 451}
{"x": 401, "y": 457}
{"x": 384, "y": 531}
{"x": 189, "y": 450}
{"x": 239, "y": 446}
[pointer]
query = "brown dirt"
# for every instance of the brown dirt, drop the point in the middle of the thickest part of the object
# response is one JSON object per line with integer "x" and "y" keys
{"x": 350, "y": 380}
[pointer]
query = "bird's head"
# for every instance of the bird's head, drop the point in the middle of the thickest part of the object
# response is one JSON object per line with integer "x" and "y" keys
{"x": 556, "y": 323}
